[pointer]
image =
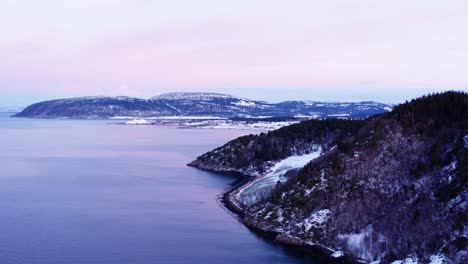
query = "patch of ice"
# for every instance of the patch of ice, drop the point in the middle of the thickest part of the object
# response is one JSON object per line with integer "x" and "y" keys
{"x": 465, "y": 141}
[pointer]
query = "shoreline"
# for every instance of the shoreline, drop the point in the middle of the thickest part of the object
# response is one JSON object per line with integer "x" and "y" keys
{"x": 318, "y": 252}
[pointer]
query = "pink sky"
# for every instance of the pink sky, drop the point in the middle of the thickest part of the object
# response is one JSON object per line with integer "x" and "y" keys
{"x": 271, "y": 50}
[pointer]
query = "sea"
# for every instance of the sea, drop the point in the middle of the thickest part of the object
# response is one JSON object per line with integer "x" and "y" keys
{"x": 98, "y": 192}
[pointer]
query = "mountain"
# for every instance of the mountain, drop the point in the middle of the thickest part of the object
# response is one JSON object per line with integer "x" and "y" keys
{"x": 393, "y": 187}
{"x": 195, "y": 104}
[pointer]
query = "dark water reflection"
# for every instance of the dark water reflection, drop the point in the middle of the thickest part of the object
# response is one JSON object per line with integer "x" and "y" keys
{"x": 90, "y": 192}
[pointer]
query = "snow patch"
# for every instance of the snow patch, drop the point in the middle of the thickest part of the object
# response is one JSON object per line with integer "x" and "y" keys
{"x": 337, "y": 254}
{"x": 263, "y": 185}
{"x": 240, "y": 125}
{"x": 307, "y": 116}
{"x": 316, "y": 219}
{"x": 137, "y": 122}
{"x": 170, "y": 118}
{"x": 358, "y": 243}
{"x": 386, "y": 108}
{"x": 438, "y": 259}
{"x": 244, "y": 103}
{"x": 338, "y": 115}
{"x": 408, "y": 260}
{"x": 192, "y": 96}
{"x": 188, "y": 118}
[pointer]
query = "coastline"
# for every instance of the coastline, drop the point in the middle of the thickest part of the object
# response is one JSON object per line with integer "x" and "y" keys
{"x": 320, "y": 253}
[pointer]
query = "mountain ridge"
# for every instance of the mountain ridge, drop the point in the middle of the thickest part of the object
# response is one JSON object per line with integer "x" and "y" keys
{"x": 195, "y": 104}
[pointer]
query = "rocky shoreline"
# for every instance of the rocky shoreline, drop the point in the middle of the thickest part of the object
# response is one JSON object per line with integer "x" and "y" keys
{"x": 319, "y": 252}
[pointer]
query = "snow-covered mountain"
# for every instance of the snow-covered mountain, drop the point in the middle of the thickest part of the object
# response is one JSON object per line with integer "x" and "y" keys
{"x": 196, "y": 104}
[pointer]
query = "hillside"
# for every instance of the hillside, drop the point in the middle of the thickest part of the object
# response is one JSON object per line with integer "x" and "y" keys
{"x": 195, "y": 104}
{"x": 249, "y": 155}
{"x": 393, "y": 187}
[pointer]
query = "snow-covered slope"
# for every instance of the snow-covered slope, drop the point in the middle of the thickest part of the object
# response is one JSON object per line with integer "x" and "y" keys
{"x": 192, "y": 96}
{"x": 261, "y": 186}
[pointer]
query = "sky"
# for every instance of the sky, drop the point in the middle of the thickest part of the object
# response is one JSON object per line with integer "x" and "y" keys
{"x": 270, "y": 50}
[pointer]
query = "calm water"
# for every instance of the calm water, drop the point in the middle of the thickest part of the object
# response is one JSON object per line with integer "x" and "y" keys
{"x": 91, "y": 192}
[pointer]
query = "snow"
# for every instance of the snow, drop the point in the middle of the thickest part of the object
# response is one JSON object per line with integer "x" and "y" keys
{"x": 449, "y": 171}
{"x": 363, "y": 108}
{"x": 338, "y": 115}
{"x": 357, "y": 243}
{"x": 87, "y": 98}
{"x": 170, "y": 118}
{"x": 209, "y": 122}
{"x": 248, "y": 125}
{"x": 137, "y": 122}
{"x": 123, "y": 117}
{"x": 192, "y": 96}
{"x": 188, "y": 118}
{"x": 244, "y": 103}
{"x": 99, "y": 97}
{"x": 465, "y": 141}
{"x": 307, "y": 116}
{"x": 386, "y": 108}
{"x": 174, "y": 108}
{"x": 262, "y": 186}
{"x": 316, "y": 219}
{"x": 255, "y": 117}
{"x": 408, "y": 260}
{"x": 438, "y": 259}
{"x": 337, "y": 254}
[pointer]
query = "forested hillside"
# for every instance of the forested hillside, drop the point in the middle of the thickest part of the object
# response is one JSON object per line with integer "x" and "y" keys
{"x": 248, "y": 155}
{"x": 394, "y": 187}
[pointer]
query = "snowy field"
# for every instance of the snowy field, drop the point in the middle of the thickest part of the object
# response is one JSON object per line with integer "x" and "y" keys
{"x": 206, "y": 122}
{"x": 262, "y": 186}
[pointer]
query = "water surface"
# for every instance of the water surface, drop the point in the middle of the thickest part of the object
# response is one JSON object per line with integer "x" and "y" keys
{"x": 92, "y": 192}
